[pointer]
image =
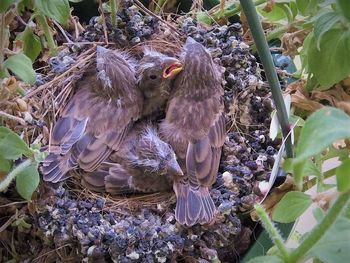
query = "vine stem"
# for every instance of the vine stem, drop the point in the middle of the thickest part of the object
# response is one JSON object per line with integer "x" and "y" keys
{"x": 249, "y": 10}
{"x": 340, "y": 204}
{"x": 159, "y": 5}
{"x": 50, "y": 41}
{"x": 114, "y": 12}
{"x": 272, "y": 230}
{"x": 20, "y": 168}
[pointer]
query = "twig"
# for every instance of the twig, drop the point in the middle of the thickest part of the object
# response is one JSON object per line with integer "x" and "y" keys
{"x": 104, "y": 22}
{"x": 11, "y": 117}
{"x": 44, "y": 86}
{"x": 62, "y": 31}
{"x": 14, "y": 203}
{"x": 148, "y": 12}
{"x": 85, "y": 43}
{"x": 12, "y": 218}
{"x": 52, "y": 251}
{"x": 2, "y": 39}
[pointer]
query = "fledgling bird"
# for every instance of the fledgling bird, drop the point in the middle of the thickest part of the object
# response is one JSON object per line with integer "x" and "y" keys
{"x": 155, "y": 74}
{"x": 195, "y": 127}
{"x": 97, "y": 118}
{"x": 144, "y": 164}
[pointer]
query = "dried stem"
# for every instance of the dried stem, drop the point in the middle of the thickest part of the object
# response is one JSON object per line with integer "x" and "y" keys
{"x": 2, "y": 39}
{"x": 11, "y": 117}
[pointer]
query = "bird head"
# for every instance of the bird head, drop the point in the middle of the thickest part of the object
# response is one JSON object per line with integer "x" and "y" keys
{"x": 115, "y": 73}
{"x": 154, "y": 155}
{"x": 199, "y": 69}
{"x": 155, "y": 72}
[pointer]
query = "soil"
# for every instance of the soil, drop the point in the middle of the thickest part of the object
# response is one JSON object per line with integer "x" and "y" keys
{"x": 66, "y": 223}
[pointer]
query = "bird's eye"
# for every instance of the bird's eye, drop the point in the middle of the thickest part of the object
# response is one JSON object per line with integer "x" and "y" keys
{"x": 152, "y": 76}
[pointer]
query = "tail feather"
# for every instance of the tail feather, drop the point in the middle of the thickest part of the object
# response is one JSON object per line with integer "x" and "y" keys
{"x": 194, "y": 204}
{"x": 55, "y": 168}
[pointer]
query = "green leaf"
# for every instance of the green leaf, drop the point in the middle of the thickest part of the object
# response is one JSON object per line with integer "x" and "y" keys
{"x": 318, "y": 213}
{"x": 302, "y": 6}
{"x": 266, "y": 259}
{"x": 27, "y": 181}
{"x": 204, "y": 18}
{"x": 287, "y": 11}
{"x": 291, "y": 206}
{"x": 5, "y": 165}
{"x": 345, "y": 8}
{"x": 334, "y": 246}
{"x": 330, "y": 63}
{"x": 324, "y": 23}
{"x": 304, "y": 52}
{"x": 311, "y": 169}
{"x": 321, "y": 129}
{"x": 32, "y": 44}
{"x": 343, "y": 176}
{"x": 55, "y": 9}
{"x": 276, "y": 14}
{"x": 11, "y": 145}
{"x": 5, "y": 4}
{"x": 22, "y": 67}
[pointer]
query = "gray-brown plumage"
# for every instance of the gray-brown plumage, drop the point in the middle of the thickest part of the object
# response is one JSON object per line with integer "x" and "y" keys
{"x": 97, "y": 118}
{"x": 195, "y": 127}
{"x": 143, "y": 164}
{"x": 155, "y": 74}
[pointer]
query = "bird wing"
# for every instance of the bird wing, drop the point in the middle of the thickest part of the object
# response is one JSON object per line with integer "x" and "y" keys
{"x": 97, "y": 118}
{"x": 203, "y": 155}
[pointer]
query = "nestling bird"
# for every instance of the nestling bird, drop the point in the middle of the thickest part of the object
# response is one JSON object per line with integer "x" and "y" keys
{"x": 195, "y": 127}
{"x": 144, "y": 164}
{"x": 97, "y": 118}
{"x": 155, "y": 73}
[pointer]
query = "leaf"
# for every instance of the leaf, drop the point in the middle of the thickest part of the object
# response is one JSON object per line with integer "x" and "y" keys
{"x": 291, "y": 206}
{"x": 334, "y": 246}
{"x": 266, "y": 259}
{"x": 321, "y": 129}
{"x": 5, "y": 165}
{"x": 345, "y": 8}
{"x": 276, "y": 14}
{"x": 55, "y": 9}
{"x": 343, "y": 176}
{"x": 11, "y": 145}
{"x": 203, "y": 17}
{"x": 32, "y": 44}
{"x": 318, "y": 214}
{"x": 323, "y": 24}
{"x": 302, "y": 6}
{"x": 5, "y": 4}
{"x": 27, "y": 181}
{"x": 21, "y": 66}
{"x": 330, "y": 63}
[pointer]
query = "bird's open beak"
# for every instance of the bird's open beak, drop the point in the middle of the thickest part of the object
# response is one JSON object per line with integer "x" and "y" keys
{"x": 174, "y": 168}
{"x": 172, "y": 70}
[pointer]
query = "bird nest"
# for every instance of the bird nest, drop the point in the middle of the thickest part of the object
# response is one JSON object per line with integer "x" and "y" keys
{"x": 131, "y": 228}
